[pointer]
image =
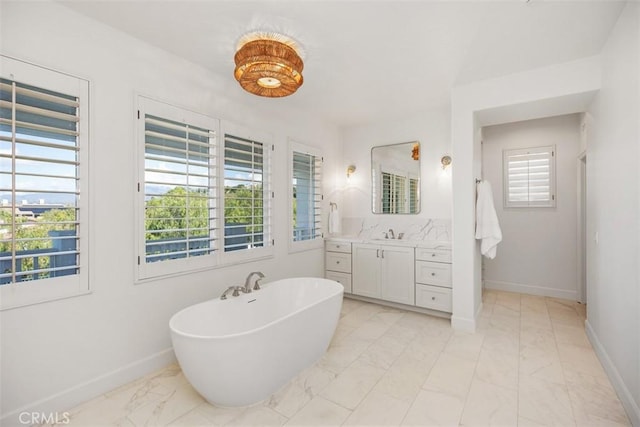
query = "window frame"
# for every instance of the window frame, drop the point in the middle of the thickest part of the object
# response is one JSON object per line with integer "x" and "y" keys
{"x": 318, "y": 241}
{"x": 15, "y": 295}
{"x": 167, "y": 268}
{"x": 507, "y": 154}
{"x": 265, "y": 138}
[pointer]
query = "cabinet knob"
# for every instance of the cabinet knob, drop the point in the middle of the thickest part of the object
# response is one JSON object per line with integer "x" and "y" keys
{"x": 337, "y": 262}
{"x": 338, "y": 246}
{"x": 433, "y": 298}
{"x": 433, "y": 274}
{"x": 433, "y": 255}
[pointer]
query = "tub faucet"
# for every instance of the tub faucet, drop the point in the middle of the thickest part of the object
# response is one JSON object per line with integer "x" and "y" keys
{"x": 235, "y": 289}
{"x": 247, "y": 283}
{"x": 391, "y": 234}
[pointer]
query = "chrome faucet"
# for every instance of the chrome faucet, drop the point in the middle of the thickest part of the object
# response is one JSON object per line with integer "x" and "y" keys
{"x": 247, "y": 283}
{"x": 391, "y": 234}
{"x": 235, "y": 289}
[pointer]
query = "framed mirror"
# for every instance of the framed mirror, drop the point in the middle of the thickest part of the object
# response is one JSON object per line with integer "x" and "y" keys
{"x": 395, "y": 178}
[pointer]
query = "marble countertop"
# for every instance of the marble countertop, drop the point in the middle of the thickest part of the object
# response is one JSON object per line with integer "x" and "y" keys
{"x": 429, "y": 244}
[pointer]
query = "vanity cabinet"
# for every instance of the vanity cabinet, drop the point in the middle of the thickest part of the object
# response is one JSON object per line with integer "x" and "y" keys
{"x": 337, "y": 261}
{"x": 433, "y": 278}
{"x": 384, "y": 272}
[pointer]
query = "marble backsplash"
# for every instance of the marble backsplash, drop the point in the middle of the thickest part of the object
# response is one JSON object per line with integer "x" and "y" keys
{"x": 415, "y": 230}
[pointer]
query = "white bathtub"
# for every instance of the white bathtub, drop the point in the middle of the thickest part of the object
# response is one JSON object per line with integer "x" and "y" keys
{"x": 239, "y": 351}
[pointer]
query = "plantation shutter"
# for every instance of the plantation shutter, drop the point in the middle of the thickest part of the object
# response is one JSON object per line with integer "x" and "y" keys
{"x": 399, "y": 194}
{"x": 394, "y": 193}
{"x": 529, "y": 177}
{"x": 39, "y": 183}
{"x": 386, "y": 192}
{"x": 179, "y": 189}
{"x": 307, "y": 196}
{"x": 246, "y": 194}
{"x": 414, "y": 185}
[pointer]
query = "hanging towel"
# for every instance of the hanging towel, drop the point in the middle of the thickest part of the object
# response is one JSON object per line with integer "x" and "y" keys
{"x": 487, "y": 227}
{"x": 334, "y": 220}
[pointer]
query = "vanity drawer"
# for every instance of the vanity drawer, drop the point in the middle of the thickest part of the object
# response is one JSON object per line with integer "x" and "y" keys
{"x": 336, "y": 261}
{"x": 338, "y": 247}
{"x": 436, "y": 255}
{"x": 433, "y": 273}
{"x": 343, "y": 278}
{"x": 433, "y": 297}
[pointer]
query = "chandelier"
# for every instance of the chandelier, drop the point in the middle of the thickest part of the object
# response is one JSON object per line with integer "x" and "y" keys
{"x": 268, "y": 65}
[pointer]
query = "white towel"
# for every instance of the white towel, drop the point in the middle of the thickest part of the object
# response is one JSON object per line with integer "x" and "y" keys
{"x": 487, "y": 227}
{"x": 334, "y": 221}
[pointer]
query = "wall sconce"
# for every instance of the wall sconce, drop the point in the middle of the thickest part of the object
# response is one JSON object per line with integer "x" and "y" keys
{"x": 446, "y": 161}
{"x": 415, "y": 151}
{"x": 350, "y": 170}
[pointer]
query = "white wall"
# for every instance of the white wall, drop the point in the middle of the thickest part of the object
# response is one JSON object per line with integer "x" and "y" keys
{"x": 56, "y": 354}
{"x": 431, "y": 128}
{"x": 613, "y": 212}
{"x": 538, "y": 252}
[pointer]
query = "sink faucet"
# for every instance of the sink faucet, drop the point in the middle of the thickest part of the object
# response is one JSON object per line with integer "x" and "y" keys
{"x": 391, "y": 234}
{"x": 236, "y": 291}
{"x": 247, "y": 283}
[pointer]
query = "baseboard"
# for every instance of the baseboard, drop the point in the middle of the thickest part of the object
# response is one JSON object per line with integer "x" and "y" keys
{"x": 67, "y": 399}
{"x": 406, "y": 307}
{"x": 530, "y": 290}
{"x": 630, "y": 405}
{"x": 465, "y": 324}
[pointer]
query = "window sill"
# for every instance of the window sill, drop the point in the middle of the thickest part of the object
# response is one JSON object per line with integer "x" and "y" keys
{"x": 223, "y": 263}
{"x": 12, "y": 302}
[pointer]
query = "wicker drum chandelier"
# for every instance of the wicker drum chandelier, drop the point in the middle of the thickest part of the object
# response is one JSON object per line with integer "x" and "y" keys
{"x": 269, "y": 66}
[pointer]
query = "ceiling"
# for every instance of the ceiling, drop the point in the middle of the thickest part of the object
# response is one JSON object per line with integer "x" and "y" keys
{"x": 367, "y": 61}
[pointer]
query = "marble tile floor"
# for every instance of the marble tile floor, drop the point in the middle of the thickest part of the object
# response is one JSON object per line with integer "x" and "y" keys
{"x": 529, "y": 364}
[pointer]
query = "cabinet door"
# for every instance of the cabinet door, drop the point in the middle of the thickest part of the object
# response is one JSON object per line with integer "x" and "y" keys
{"x": 397, "y": 274}
{"x": 366, "y": 270}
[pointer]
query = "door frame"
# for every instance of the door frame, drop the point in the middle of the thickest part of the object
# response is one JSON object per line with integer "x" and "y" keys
{"x": 581, "y": 291}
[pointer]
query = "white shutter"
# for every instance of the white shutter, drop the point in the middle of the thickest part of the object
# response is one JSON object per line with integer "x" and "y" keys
{"x": 39, "y": 183}
{"x": 247, "y": 219}
{"x": 529, "y": 177}
{"x": 44, "y": 209}
{"x": 414, "y": 188}
{"x": 178, "y": 205}
{"x": 307, "y": 196}
{"x": 395, "y": 193}
{"x": 179, "y": 189}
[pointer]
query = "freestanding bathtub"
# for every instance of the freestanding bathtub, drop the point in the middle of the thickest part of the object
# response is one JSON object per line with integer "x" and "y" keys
{"x": 239, "y": 351}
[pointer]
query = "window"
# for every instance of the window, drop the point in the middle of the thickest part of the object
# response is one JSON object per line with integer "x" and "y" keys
{"x": 529, "y": 177}
{"x": 247, "y": 196}
{"x": 306, "y": 196}
{"x": 43, "y": 163}
{"x": 178, "y": 189}
{"x": 394, "y": 189}
{"x": 414, "y": 188}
